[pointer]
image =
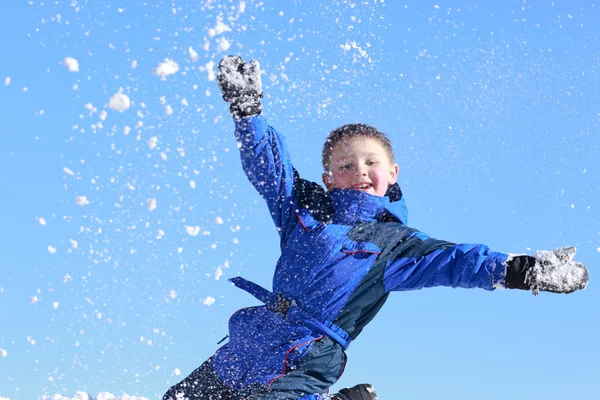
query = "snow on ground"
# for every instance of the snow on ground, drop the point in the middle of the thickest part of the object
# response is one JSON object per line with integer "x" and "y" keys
{"x": 86, "y": 396}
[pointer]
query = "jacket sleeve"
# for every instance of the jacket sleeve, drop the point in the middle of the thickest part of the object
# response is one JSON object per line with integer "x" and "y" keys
{"x": 418, "y": 261}
{"x": 267, "y": 164}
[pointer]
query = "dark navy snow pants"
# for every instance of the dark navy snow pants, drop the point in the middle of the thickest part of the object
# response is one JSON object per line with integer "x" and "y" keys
{"x": 313, "y": 374}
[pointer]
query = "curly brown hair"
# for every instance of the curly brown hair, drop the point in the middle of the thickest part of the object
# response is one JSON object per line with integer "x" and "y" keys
{"x": 351, "y": 131}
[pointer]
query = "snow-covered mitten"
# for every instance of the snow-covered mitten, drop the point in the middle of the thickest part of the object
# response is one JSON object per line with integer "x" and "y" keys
{"x": 549, "y": 271}
{"x": 358, "y": 392}
{"x": 241, "y": 85}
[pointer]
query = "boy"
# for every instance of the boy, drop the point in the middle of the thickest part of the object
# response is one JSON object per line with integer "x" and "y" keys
{"x": 343, "y": 252}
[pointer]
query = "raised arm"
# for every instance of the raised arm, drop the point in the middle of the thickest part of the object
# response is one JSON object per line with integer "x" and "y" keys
{"x": 419, "y": 261}
{"x": 264, "y": 152}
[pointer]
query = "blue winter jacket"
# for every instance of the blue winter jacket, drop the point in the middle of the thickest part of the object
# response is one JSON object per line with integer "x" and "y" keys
{"x": 342, "y": 253}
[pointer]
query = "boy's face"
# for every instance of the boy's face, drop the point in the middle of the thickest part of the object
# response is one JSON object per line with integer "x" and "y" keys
{"x": 360, "y": 163}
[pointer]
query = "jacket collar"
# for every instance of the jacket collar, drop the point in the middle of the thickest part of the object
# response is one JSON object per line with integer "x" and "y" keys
{"x": 351, "y": 206}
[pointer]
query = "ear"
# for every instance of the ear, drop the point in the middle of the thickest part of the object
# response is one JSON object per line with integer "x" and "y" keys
{"x": 394, "y": 170}
{"x": 326, "y": 177}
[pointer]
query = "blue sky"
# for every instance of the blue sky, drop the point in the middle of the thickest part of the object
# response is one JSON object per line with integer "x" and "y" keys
{"x": 493, "y": 111}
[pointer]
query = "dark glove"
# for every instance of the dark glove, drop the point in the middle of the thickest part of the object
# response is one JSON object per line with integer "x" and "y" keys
{"x": 549, "y": 271}
{"x": 358, "y": 392}
{"x": 241, "y": 85}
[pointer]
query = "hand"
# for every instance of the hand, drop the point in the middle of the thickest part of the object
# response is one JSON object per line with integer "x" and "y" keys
{"x": 241, "y": 85}
{"x": 549, "y": 271}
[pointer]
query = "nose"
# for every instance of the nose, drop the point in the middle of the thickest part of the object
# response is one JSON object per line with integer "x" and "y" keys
{"x": 361, "y": 170}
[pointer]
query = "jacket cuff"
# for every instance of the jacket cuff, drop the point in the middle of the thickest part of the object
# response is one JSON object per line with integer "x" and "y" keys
{"x": 498, "y": 269}
{"x": 250, "y": 130}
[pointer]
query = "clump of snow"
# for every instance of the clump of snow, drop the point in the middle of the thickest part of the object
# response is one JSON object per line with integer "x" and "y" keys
{"x": 119, "y": 102}
{"x": 151, "y": 203}
{"x": 71, "y": 64}
{"x": 218, "y": 273}
{"x": 7, "y": 81}
{"x": 172, "y": 293}
{"x": 68, "y": 171}
{"x": 219, "y": 220}
{"x": 176, "y": 371}
{"x": 3, "y": 353}
{"x": 82, "y": 200}
{"x": 223, "y": 44}
{"x": 219, "y": 28}
{"x": 152, "y": 142}
{"x": 126, "y": 130}
{"x": 168, "y": 110}
{"x": 42, "y": 221}
{"x": 166, "y": 68}
{"x": 193, "y": 54}
{"x": 556, "y": 271}
{"x": 51, "y": 249}
{"x": 34, "y": 299}
{"x": 208, "y": 301}
{"x": 74, "y": 243}
{"x": 192, "y": 230}
{"x": 208, "y": 67}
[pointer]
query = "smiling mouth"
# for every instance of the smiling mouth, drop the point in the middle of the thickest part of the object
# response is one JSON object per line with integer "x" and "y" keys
{"x": 362, "y": 186}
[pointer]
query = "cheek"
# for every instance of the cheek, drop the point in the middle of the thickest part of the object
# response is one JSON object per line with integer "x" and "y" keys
{"x": 341, "y": 177}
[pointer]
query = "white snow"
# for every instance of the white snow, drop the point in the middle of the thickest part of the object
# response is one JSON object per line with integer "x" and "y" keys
{"x": 68, "y": 171}
{"x": 208, "y": 67}
{"x": 51, "y": 249}
{"x": 172, "y": 293}
{"x": 7, "y": 81}
{"x": 168, "y": 110}
{"x": 166, "y": 68}
{"x": 3, "y": 353}
{"x": 209, "y": 301}
{"x": 119, "y": 102}
{"x": 218, "y": 220}
{"x": 192, "y": 230}
{"x": 151, "y": 203}
{"x": 193, "y": 54}
{"x": 152, "y": 142}
{"x": 126, "y": 130}
{"x": 82, "y": 200}
{"x": 42, "y": 221}
{"x": 223, "y": 44}
{"x": 100, "y": 396}
{"x": 33, "y": 299}
{"x": 71, "y": 64}
{"x": 219, "y": 28}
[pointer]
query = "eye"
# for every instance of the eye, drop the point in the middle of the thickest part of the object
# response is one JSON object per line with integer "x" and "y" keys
{"x": 371, "y": 162}
{"x": 345, "y": 167}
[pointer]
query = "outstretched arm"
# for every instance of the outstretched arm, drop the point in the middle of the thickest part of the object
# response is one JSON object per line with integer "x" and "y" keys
{"x": 264, "y": 152}
{"x": 419, "y": 261}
